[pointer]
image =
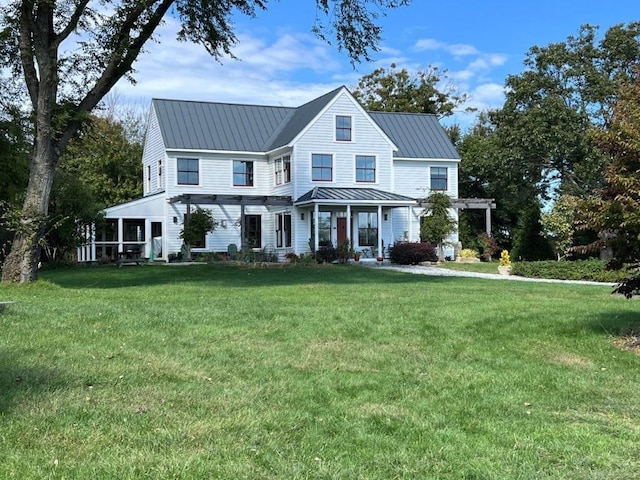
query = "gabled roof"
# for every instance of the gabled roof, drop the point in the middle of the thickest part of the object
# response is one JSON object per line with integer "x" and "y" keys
{"x": 191, "y": 125}
{"x": 328, "y": 194}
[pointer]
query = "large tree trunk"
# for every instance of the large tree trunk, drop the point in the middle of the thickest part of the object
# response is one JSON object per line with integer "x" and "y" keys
{"x": 21, "y": 265}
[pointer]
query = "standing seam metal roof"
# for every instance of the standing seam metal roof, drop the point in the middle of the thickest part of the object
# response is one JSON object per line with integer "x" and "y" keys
{"x": 192, "y": 125}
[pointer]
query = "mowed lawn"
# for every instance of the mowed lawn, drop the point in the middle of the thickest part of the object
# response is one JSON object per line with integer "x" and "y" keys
{"x": 214, "y": 372}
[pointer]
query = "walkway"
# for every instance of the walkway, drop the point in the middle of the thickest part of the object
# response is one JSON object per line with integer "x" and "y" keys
{"x": 445, "y": 272}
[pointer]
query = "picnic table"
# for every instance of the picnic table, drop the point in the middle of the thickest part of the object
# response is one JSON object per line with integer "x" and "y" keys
{"x": 131, "y": 256}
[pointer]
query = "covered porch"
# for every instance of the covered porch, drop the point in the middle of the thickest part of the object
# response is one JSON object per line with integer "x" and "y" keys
{"x": 362, "y": 216}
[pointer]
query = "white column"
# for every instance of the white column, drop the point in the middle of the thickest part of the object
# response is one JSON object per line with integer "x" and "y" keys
{"x": 488, "y": 220}
{"x": 120, "y": 235}
{"x": 316, "y": 234}
{"x": 349, "y": 224}
{"x": 93, "y": 242}
{"x": 410, "y": 221}
{"x": 379, "y": 230}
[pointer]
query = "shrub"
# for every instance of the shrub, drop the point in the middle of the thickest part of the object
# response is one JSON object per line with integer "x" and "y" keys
{"x": 412, "y": 253}
{"x": 468, "y": 253}
{"x": 505, "y": 260}
{"x": 592, "y": 269}
{"x": 326, "y": 253}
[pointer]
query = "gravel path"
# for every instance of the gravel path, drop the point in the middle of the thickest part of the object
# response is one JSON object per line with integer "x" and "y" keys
{"x": 444, "y": 272}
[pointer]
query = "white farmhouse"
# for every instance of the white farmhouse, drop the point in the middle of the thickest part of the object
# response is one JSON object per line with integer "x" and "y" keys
{"x": 283, "y": 178}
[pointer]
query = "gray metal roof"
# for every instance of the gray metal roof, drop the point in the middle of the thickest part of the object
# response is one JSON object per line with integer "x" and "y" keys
{"x": 192, "y": 125}
{"x": 352, "y": 195}
{"x": 218, "y": 126}
{"x": 416, "y": 135}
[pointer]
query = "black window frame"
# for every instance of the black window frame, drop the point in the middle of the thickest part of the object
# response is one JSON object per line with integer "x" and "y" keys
{"x": 363, "y": 170}
{"x": 187, "y": 174}
{"x": 344, "y": 127}
{"x": 283, "y": 230}
{"x": 253, "y": 231}
{"x": 244, "y": 176}
{"x": 438, "y": 178}
{"x": 321, "y": 168}
{"x": 367, "y": 233}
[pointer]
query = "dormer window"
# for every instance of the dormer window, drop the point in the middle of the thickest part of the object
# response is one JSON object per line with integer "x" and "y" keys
{"x": 343, "y": 128}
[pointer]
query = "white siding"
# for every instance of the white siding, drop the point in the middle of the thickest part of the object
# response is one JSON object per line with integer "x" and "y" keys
{"x": 320, "y": 138}
{"x": 413, "y": 177}
{"x": 152, "y": 154}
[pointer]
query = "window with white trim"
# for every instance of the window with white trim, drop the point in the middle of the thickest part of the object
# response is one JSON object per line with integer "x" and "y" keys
{"x": 283, "y": 230}
{"x": 367, "y": 229}
{"x": 365, "y": 168}
{"x": 343, "y": 128}
{"x": 242, "y": 173}
{"x": 321, "y": 167}
{"x": 439, "y": 178}
{"x": 188, "y": 171}
{"x": 282, "y": 167}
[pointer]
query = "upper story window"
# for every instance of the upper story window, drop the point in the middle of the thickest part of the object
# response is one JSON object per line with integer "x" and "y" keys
{"x": 321, "y": 167}
{"x": 242, "y": 173}
{"x": 438, "y": 178}
{"x": 343, "y": 128}
{"x": 365, "y": 168}
{"x": 283, "y": 170}
{"x": 159, "y": 173}
{"x": 188, "y": 171}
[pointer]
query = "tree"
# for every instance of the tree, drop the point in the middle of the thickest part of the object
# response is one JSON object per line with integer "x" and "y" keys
{"x": 103, "y": 157}
{"x": 614, "y": 210}
{"x": 197, "y": 224}
{"x": 559, "y": 225}
{"x": 64, "y": 85}
{"x": 395, "y": 90}
{"x": 437, "y": 225}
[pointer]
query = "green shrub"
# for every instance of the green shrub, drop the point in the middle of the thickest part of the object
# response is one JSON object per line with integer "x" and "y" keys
{"x": 412, "y": 253}
{"x": 591, "y": 269}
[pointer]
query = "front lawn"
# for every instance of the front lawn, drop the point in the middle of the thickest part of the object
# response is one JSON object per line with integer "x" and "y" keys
{"x": 198, "y": 372}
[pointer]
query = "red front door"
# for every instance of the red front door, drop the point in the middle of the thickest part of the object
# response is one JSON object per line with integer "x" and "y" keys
{"x": 342, "y": 229}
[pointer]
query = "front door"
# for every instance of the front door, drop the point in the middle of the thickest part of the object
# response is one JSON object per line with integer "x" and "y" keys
{"x": 342, "y": 229}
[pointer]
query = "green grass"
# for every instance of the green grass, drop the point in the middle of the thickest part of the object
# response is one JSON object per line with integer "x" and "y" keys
{"x": 201, "y": 372}
{"x": 480, "y": 267}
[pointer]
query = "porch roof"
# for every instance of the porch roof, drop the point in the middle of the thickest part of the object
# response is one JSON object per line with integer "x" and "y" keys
{"x": 353, "y": 196}
{"x": 213, "y": 199}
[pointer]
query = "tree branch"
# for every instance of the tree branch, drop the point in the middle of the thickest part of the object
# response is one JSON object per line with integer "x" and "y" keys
{"x": 26, "y": 52}
{"x": 73, "y": 23}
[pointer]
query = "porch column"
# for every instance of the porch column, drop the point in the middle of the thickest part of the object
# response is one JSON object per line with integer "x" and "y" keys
{"x": 410, "y": 222}
{"x": 379, "y": 230}
{"x": 316, "y": 234}
{"x": 242, "y": 242}
{"x": 120, "y": 235}
{"x": 93, "y": 241}
{"x": 349, "y": 224}
{"x": 488, "y": 220}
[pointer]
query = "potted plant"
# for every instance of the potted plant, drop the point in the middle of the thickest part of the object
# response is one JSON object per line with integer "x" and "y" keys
{"x": 356, "y": 255}
{"x": 505, "y": 263}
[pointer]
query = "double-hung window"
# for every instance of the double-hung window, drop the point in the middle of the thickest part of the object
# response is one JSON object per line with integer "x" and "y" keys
{"x": 188, "y": 171}
{"x": 242, "y": 173}
{"x": 365, "y": 168}
{"x": 321, "y": 167}
{"x": 283, "y": 230}
{"x": 439, "y": 178}
{"x": 283, "y": 170}
{"x": 367, "y": 229}
{"x": 343, "y": 128}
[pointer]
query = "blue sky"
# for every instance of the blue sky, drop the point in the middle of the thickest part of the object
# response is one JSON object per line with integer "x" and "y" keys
{"x": 280, "y": 62}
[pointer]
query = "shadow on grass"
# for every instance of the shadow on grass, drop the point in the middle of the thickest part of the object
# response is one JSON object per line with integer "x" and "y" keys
{"x": 102, "y": 277}
{"x": 18, "y": 381}
{"x": 616, "y": 323}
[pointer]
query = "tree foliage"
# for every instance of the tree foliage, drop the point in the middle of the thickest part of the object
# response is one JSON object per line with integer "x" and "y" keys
{"x": 559, "y": 225}
{"x": 101, "y": 41}
{"x": 393, "y": 90}
{"x": 614, "y": 209}
{"x": 437, "y": 224}
{"x": 539, "y": 145}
